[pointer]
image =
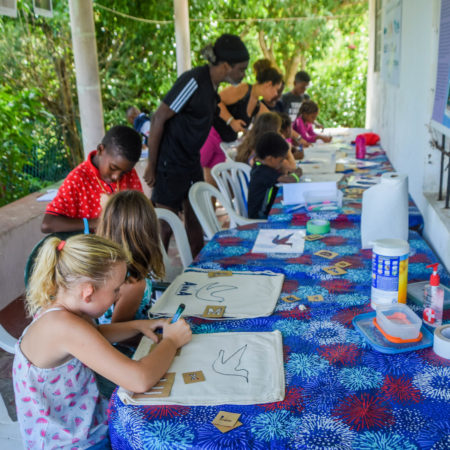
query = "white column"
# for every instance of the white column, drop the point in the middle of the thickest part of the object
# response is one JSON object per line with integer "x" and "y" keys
{"x": 86, "y": 70}
{"x": 182, "y": 37}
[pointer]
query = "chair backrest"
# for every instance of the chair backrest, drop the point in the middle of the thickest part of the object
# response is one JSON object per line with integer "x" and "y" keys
{"x": 10, "y": 437}
{"x": 31, "y": 259}
{"x": 229, "y": 149}
{"x": 179, "y": 232}
{"x": 7, "y": 342}
{"x": 200, "y": 195}
{"x": 233, "y": 178}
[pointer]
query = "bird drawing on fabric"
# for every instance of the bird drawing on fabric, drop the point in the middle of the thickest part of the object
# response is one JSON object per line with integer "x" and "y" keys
{"x": 230, "y": 366}
{"x": 209, "y": 292}
{"x": 282, "y": 241}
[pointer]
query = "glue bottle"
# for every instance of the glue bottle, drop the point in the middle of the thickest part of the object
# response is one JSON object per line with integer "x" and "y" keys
{"x": 433, "y": 300}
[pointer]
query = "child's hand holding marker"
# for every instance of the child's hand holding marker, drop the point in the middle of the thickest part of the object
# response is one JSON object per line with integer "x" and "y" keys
{"x": 177, "y": 329}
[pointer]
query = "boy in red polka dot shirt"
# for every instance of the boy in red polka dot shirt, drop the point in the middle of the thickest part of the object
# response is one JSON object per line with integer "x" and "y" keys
{"x": 107, "y": 170}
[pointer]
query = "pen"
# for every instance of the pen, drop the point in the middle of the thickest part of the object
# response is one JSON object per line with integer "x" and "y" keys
{"x": 295, "y": 208}
{"x": 177, "y": 315}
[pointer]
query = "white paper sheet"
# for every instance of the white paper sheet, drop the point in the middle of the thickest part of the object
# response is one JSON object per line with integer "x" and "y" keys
{"x": 293, "y": 193}
{"x": 239, "y": 368}
{"x": 279, "y": 241}
{"x": 49, "y": 196}
{"x": 244, "y": 294}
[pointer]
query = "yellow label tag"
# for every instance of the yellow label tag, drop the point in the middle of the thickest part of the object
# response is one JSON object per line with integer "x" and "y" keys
{"x": 193, "y": 377}
{"x": 313, "y": 237}
{"x": 315, "y": 298}
{"x": 326, "y": 254}
{"x": 342, "y": 264}
{"x": 220, "y": 273}
{"x": 226, "y": 419}
{"x": 332, "y": 270}
{"x": 214, "y": 312}
{"x": 290, "y": 298}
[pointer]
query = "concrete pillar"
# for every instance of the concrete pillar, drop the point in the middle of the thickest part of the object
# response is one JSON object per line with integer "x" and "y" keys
{"x": 86, "y": 70}
{"x": 182, "y": 36}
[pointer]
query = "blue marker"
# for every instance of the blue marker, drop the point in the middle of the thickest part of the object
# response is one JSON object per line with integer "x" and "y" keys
{"x": 177, "y": 315}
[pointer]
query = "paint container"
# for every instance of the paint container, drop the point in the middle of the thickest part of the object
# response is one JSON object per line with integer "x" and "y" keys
{"x": 389, "y": 272}
{"x": 360, "y": 144}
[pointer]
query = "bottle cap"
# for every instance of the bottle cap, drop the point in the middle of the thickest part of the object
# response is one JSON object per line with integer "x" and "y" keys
{"x": 434, "y": 278}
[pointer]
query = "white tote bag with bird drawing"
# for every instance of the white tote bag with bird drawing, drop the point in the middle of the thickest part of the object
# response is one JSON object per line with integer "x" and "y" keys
{"x": 219, "y": 368}
{"x": 239, "y": 294}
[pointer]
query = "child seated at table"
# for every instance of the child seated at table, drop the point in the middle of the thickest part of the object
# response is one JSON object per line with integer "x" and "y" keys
{"x": 84, "y": 192}
{"x": 246, "y": 153}
{"x": 57, "y": 399}
{"x": 130, "y": 220}
{"x": 307, "y": 115}
{"x": 271, "y": 150}
{"x": 294, "y": 142}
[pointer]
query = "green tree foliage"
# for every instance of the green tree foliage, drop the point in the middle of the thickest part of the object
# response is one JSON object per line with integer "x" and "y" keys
{"x": 137, "y": 64}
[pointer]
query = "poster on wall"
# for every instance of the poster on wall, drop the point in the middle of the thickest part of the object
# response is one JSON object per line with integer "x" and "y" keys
{"x": 43, "y": 8}
{"x": 441, "y": 110}
{"x": 8, "y": 8}
{"x": 392, "y": 34}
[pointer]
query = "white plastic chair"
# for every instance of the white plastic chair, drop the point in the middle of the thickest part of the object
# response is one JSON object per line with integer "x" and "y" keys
{"x": 232, "y": 179}
{"x": 200, "y": 195}
{"x": 7, "y": 342}
{"x": 230, "y": 149}
{"x": 179, "y": 232}
{"x": 10, "y": 437}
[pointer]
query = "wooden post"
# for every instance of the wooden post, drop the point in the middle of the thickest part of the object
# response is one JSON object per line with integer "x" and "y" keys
{"x": 182, "y": 36}
{"x": 86, "y": 70}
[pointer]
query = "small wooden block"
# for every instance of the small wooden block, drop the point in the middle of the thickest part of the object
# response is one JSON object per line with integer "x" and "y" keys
{"x": 226, "y": 429}
{"x": 326, "y": 254}
{"x": 220, "y": 273}
{"x": 348, "y": 211}
{"x": 313, "y": 237}
{"x": 290, "y": 298}
{"x": 160, "y": 389}
{"x": 214, "y": 312}
{"x": 333, "y": 270}
{"x": 342, "y": 264}
{"x": 340, "y": 167}
{"x": 226, "y": 419}
{"x": 315, "y": 298}
{"x": 193, "y": 377}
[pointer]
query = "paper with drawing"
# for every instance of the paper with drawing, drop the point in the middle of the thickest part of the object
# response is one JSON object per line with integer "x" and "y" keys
{"x": 279, "y": 241}
{"x": 238, "y": 368}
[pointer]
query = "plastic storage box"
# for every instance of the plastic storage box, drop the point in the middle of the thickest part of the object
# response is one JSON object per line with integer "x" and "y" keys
{"x": 399, "y": 321}
{"x": 323, "y": 200}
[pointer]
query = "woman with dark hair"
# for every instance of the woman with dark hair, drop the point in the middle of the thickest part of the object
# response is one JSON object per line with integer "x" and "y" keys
{"x": 180, "y": 127}
{"x": 238, "y": 106}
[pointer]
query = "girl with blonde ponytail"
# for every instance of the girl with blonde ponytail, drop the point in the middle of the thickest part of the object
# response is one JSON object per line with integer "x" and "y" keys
{"x": 57, "y": 399}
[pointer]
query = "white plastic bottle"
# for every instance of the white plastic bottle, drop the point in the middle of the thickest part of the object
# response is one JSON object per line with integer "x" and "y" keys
{"x": 433, "y": 300}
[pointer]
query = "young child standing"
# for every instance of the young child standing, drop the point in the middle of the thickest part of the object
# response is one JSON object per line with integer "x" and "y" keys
{"x": 130, "y": 220}
{"x": 57, "y": 400}
{"x": 307, "y": 115}
{"x": 271, "y": 150}
{"x": 84, "y": 192}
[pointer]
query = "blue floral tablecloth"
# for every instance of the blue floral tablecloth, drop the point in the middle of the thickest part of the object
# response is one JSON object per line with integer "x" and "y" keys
{"x": 351, "y": 206}
{"x": 340, "y": 393}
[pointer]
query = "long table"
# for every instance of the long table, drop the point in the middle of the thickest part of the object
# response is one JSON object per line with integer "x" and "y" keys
{"x": 340, "y": 393}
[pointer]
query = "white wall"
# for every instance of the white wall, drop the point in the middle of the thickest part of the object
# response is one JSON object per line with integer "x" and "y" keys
{"x": 401, "y": 114}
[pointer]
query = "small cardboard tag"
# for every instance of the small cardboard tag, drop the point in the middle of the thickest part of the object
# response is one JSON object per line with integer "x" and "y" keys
{"x": 348, "y": 211}
{"x": 193, "y": 377}
{"x": 342, "y": 264}
{"x": 290, "y": 298}
{"x": 340, "y": 167}
{"x": 313, "y": 237}
{"x": 354, "y": 191}
{"x": 315, "y": 298}
{"x": 160, "y": 389}
{"x": 220, "y": 273}
{"x": 226, "y": 419}
{"x": 226, "y": 429}
{"x": 214, "y": 312}
{"x": 326, "y": 254}
{"x": 333, "y": 270}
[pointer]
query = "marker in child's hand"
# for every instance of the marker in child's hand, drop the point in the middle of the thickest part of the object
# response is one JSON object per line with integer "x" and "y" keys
{"x": 178, "y": 313}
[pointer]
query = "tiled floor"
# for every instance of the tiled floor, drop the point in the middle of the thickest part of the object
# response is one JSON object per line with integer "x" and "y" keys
{"x": 13, "y": 319}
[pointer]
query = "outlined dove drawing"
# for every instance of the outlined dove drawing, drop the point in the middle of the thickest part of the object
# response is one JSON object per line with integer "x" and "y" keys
{"x": 230, "y": 366}
{"x": 209, "y": 292}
